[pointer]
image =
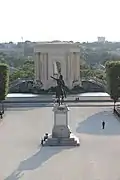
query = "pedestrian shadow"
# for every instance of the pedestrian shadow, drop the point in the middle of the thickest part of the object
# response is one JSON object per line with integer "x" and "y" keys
{"x": 35, "y": 161}
{"x": 93, "y": 124}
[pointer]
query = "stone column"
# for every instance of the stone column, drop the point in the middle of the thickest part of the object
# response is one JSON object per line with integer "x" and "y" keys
{"x": 47, "y": 76}
{"x": 68, "y": 67}
{"x": 67, "y": 75}
{"x": 42, "y": 68}
{"x": 37, "y": 66}
{"x": 49, "y": 69}
{"x": 63, "y": 68}
{"x": 69, "y": 70}
{"x": 45, "y": 69}
{"x": 78, "y": 66}
{"x": 50, "y": 65}
{"x": 72, "y": 66}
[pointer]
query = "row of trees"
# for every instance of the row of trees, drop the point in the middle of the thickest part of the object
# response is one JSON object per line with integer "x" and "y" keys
{"x": 93, "y": 73}
{"x": 23, "y": 65}
{"x": 94, "y": 53}
{"x": 24, "y": 71}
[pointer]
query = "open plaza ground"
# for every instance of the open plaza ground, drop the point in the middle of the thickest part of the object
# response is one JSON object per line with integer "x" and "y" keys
{"x": 97, "y": 157}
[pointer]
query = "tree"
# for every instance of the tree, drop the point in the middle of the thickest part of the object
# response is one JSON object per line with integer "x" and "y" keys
{"x": 25, "y": 71}
{"x": 113, "y": 80}
{"x": 4, "y": 78}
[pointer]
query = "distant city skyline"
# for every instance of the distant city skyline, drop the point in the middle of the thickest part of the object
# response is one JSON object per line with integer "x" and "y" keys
{"x": 78, "y": 20}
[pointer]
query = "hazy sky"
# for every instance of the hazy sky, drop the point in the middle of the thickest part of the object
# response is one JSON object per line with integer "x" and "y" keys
{"x": 77, "y": 20}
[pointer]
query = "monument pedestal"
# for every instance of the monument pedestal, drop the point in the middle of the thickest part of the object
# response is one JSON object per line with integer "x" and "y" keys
{"x": 61, "y": 134}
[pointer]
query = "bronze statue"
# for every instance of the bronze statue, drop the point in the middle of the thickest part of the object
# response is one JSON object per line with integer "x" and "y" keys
{"x": 60, "y": 89}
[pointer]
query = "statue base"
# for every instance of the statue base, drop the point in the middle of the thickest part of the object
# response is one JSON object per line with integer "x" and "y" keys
{"x": 71, "y": 141}
{"x": 61, "y": 133}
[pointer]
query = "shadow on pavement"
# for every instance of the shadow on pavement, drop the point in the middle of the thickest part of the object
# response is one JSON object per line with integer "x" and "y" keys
{"x": 26, "y": 107}
{"x": 93, "y": 124}
{"x": 35, "y": 161}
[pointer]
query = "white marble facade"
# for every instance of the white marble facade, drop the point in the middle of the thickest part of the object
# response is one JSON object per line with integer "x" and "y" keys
{"x": 46, "y": 56}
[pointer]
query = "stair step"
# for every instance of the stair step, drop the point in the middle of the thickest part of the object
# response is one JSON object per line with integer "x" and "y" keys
{"x": 63, "y": 142}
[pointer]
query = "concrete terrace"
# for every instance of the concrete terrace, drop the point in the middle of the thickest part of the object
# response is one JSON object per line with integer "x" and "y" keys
{"x": 34, "y": 97}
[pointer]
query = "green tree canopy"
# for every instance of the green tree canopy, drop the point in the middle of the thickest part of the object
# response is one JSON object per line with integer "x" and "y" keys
{"x": 4, "y": 78}
{"x": 113, "y": 79}
{"x": 25, "y": 71}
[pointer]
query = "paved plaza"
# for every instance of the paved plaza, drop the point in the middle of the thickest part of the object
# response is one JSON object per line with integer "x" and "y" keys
{"x": 89, "y": 97}
{"x": 22, "y": 158}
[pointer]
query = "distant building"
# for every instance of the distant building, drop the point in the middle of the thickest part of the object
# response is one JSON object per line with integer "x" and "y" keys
{"x": 101, "y": 39}
{"x": 55, "y": 58}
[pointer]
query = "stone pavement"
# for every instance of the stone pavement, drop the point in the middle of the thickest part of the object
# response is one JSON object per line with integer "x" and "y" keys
{"x": 73, "y": 104}
{"x": 97, "y": 158}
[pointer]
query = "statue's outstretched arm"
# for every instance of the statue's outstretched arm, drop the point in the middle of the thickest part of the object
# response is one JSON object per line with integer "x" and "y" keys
{"x": 54, "y": 78}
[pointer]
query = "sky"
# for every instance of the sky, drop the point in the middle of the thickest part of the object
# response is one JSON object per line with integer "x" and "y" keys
{"x": 65, "y": 20}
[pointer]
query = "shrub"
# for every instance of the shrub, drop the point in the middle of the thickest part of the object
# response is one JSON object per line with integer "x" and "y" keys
{"x": 4, "y": 80}
{"x": 113, "y": 79}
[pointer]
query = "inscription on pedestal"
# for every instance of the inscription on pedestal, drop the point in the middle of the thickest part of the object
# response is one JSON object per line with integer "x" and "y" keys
{"x": 60, "y": 119}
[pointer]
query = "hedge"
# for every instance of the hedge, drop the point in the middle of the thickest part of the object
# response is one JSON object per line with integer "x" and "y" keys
{"x": 113, "y": 79}
{"x": 4, "y": 81}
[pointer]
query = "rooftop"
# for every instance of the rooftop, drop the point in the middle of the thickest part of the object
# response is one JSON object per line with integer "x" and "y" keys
{"x": 56, "y": 45}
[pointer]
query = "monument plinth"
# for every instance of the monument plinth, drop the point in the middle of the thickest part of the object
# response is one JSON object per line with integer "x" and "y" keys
{"x": 60, "y": 128}
{"x": 61, "y": 134}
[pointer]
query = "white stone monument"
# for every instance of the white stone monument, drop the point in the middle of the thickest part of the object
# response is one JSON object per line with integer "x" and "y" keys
{"x": 61, "y": 133}
{"x": 47, "y": 55}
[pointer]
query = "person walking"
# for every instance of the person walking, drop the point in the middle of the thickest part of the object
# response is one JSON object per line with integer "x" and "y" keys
{"x": 103, "y": 125}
